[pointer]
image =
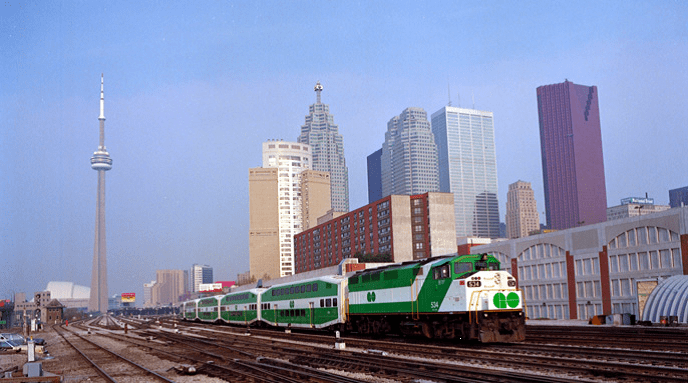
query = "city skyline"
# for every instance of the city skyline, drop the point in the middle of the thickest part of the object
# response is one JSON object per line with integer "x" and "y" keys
{"x": 191, "y": 100}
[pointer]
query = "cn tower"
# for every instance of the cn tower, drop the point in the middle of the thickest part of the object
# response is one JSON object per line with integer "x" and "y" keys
{"x": 100, "y": 162}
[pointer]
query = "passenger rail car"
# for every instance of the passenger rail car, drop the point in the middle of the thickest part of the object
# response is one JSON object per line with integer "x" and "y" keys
{"x": 242, "y": 307}
{"x": 189, "y": 310}
{"x": 310, "y": 303}
{"x": 208, "y": 309}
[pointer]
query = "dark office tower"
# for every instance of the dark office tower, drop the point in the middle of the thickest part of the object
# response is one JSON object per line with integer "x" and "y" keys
{"x": 100, "y": 162}
{"x": 374, "y": 176}
{"x": 678, "y": 197}
{"x": 572, "y": 163}
{"x": 327, "y": 148}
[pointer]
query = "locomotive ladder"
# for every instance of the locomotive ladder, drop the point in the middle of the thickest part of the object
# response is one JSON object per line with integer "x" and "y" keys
{"x": 415, "y": 315}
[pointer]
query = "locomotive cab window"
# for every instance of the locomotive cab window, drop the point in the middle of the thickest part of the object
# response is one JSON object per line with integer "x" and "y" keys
{"x": 462, "y": 267}
{"x": 481, "y": 265}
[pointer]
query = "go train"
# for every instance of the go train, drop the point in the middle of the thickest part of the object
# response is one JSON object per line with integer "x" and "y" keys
{"x": 463, "y": 297}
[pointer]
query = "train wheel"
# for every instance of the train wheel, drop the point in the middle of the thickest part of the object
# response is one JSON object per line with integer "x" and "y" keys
{"x": 368, "y": 326}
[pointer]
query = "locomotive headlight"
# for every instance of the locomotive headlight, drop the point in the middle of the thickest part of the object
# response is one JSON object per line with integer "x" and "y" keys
{"x": 511, "y": 283}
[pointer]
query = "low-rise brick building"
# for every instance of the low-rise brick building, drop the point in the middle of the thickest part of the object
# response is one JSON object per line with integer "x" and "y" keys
{"x": 405, "y": 227}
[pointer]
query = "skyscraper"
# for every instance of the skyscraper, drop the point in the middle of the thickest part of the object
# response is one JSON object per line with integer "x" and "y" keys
{"x": 374, "y": 176}
{"x": 468, "y": 168}
{"x": 572, "y": 162}
{"x": 200, "y": 274}
{"x": 327, "y": 149}
{"x": 285, "y": 196}
{"x": 408, "y": 163}
{"x": 521, "y": 210}
{"x": 169, "y": 286}
{"x": 100, "y": 162}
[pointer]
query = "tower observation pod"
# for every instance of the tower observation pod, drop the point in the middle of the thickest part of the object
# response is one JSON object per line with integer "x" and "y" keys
{"x": 101, "y": 158}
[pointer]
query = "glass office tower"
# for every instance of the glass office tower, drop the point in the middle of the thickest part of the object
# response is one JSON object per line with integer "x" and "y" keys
{"x": 468, "y": 168}
{"x": 408, "y": 163}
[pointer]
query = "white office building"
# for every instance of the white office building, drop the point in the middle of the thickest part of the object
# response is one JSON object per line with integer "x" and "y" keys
{"x": 468, "y": 168}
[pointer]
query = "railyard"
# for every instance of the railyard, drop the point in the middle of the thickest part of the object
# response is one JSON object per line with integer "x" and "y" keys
{"x": 166, "y": 349}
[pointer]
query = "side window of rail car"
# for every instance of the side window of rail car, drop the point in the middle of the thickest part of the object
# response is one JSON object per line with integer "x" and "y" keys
{"x": 462, "y": 267}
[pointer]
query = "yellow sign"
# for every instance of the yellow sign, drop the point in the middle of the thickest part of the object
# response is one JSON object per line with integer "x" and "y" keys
{"x": 128, "y": 297}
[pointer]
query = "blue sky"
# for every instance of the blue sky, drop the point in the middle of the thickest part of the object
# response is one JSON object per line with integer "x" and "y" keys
{"x": 192, "y": 89}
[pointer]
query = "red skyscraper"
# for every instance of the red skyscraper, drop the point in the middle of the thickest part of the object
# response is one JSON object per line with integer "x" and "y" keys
{"x": 572, "y": 162}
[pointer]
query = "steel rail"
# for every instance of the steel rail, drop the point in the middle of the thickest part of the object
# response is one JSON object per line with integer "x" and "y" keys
{"x": 102, "y": 372}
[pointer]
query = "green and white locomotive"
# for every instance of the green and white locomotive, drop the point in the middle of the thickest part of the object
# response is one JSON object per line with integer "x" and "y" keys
{"x": 455, "y": 297}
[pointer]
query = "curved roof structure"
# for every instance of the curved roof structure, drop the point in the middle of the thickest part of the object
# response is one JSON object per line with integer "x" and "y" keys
{"x": 68, "y": 290}
{"x": 669, "y": 298}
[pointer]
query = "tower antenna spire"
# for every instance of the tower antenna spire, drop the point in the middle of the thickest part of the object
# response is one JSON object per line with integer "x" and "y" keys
{"x": 318, "y": 88}
{"x": 102, "y": 100}
{"x": 448, "y": 94}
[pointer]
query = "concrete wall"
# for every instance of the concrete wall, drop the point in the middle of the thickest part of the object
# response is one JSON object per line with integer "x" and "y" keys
{"x": 442, "y": 224}
{"x": 402, "y": 245}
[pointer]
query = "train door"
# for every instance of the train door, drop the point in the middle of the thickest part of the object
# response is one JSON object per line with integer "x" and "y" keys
{"x": 311, "y": 314}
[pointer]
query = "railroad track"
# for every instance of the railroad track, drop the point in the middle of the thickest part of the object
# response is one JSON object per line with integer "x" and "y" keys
{"x": 232, "y": 364}
{"x": 379, "y": 366}
{"x": 645, "y": 338}
{"x": 530, "y": 360}
{"x": 109, "y": 365}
